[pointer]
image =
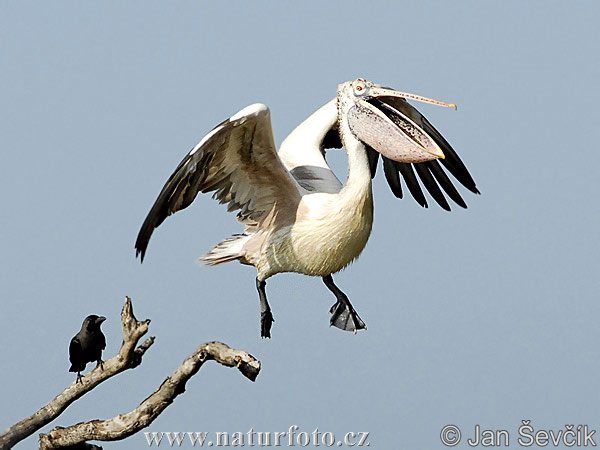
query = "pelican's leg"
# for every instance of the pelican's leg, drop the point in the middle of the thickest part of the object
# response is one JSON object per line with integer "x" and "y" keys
{"x": 343, "y": 314}
{"x": 266, "y": 318}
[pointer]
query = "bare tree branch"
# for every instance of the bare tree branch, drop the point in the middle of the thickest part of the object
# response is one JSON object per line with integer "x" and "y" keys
{"x": 129, "y": 357}
{"x": 125, "y": 425}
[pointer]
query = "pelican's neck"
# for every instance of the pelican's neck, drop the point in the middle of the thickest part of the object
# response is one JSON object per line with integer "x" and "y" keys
{"x": 301, "y": 148}
{"x": 358, "y": 183}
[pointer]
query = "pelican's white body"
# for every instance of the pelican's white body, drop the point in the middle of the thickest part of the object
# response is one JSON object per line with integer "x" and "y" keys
{"x": 330, "y": 235}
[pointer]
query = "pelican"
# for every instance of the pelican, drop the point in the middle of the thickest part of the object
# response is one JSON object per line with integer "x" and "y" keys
{"x": 297, "y": 215}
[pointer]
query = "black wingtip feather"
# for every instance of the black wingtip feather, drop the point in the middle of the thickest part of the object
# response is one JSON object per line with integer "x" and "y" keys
{"x": 392, "y": 177}
{"x": 445, "y": 183}
{"x": 431, "y": 185}
{"x": 373, "y": 157}
{"x": 460, "y": 173}
{"x": 140, "y": 249}
{"x": 410, "y": 179}
{"x": 452, "y": 161}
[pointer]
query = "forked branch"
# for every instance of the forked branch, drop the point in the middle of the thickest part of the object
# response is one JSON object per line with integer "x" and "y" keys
{"x": 129, "y": 357}
{"x": 125, "y": 425}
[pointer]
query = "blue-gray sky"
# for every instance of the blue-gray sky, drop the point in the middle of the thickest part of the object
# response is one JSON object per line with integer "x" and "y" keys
{"x": 480, "y": 316}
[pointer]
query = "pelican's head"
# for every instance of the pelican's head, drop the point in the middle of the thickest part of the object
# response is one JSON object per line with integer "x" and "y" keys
{"x": 382, "y": 118}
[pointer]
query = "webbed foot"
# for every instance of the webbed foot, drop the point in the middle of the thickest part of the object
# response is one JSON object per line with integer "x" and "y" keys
{"x": 345, "y": 318}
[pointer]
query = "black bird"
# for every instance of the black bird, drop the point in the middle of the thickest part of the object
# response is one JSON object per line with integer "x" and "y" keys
{"x": 87, "y": 345}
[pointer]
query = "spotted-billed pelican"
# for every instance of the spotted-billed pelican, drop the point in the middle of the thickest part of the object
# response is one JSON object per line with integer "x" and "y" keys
{"x": 298, "y": 216}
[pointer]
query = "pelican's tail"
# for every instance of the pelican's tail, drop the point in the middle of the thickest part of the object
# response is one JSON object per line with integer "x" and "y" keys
{"x": 228, "y": 250}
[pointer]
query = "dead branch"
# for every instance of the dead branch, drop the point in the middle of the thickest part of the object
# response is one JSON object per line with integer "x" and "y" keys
{"x": 125, "y": 425}
{"x": 129, "y": 357}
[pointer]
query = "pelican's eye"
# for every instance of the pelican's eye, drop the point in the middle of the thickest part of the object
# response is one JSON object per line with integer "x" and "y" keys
{"x": 360, "y": 88}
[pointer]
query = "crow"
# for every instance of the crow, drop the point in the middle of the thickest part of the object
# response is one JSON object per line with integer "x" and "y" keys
{"x": 87, "y": 345}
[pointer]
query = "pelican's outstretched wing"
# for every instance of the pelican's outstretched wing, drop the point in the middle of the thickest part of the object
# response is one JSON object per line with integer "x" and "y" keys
{"x": 302, "y": 152}
{"x": 238, "y": 161}
{"x": 432, "y": 176}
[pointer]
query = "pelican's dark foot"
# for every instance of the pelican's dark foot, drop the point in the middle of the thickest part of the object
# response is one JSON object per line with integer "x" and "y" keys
{"x": 343, "y": 316}
{"x": 79, "y": 377}
{"x": 101, "y": 364}
{"x": 266, "y": 317}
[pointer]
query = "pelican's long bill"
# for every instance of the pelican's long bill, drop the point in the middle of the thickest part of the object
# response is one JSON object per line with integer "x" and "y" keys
{"x": 384, "y": 120}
